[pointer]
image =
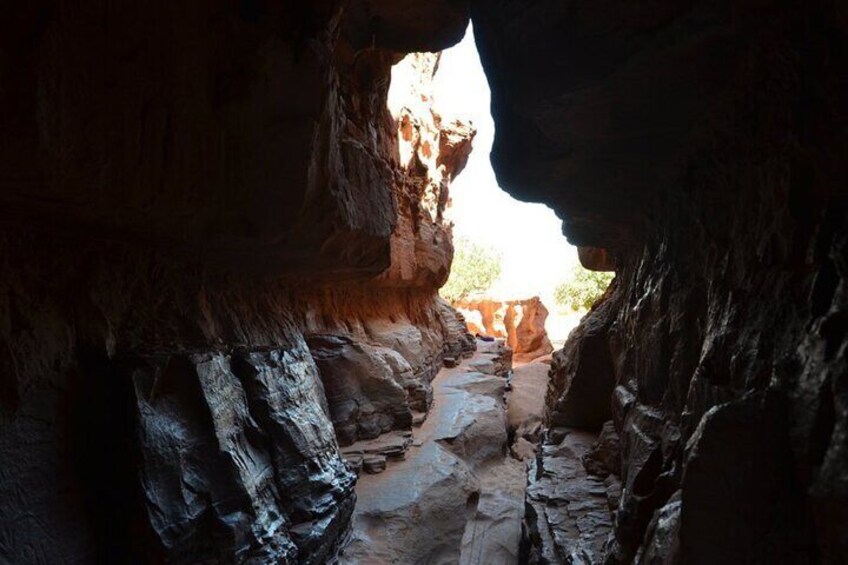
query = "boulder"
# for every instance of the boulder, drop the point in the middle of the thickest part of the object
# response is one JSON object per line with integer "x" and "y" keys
{"x": 494, "y": 358}
{"x": 523, "y": 450}
{"x": 365, "y": 396}
{"x": 374, "y": 464}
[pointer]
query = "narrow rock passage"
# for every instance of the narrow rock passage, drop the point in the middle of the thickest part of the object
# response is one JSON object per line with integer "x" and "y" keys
{"x": 458, "y": 497}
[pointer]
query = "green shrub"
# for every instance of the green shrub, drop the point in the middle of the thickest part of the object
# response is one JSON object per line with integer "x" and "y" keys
{"x": 475, "y": 268}
{"x": 583, "y": 289}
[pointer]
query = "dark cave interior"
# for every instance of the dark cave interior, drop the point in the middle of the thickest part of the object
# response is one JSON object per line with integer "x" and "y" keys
{"x": 217, "y": 273}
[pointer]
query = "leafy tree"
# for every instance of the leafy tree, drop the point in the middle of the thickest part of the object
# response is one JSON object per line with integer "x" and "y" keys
{"x": 475, "y": 268}
{"x": 583, "y": 289}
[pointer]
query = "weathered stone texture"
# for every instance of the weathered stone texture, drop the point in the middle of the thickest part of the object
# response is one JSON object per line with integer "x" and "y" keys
{"x": 520, "y": 322}
{"x": 188, "y": 193}
{"x": 190, "y": 190}
{"x": 703, "y": 147}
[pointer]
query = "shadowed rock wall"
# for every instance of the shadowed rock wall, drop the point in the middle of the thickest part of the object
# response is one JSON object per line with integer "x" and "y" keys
{"x": 192, "y": 191}
{"x": 703, "y": 146}
{"x": 189, "y": 195}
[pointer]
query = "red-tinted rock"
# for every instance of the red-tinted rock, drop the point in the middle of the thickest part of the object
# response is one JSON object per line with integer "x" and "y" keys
{"x": 187, "y": 192}
{"x": 521, "y": 322}
{"x": 190, "y": 185}
{"x": 596, "y": 258}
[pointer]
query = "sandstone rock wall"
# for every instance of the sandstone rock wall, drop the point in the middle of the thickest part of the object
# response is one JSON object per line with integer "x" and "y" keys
{"x": 191, "y": 191}
{"x": 193, "y": 198}
{"x": 703, "y": 147}
{"x": 520, "y": 322}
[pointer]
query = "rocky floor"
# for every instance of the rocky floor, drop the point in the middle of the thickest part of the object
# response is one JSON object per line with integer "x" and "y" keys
{"x": 466, "y": 485}
{"x": 457, "y": 496}
{"x": 569, "y": 512}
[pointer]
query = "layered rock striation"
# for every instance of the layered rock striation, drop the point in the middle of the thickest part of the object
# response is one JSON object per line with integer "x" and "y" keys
{"x": 219, "y": 261}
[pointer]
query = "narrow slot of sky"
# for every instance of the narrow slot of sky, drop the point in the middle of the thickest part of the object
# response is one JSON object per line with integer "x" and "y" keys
{"x": 536, "y": 256}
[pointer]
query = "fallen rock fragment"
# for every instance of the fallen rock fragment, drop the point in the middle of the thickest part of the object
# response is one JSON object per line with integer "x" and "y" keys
{"x": 374, "y": 464}
{"x": 392, "y": 445}
{"x": 354, "y": 462}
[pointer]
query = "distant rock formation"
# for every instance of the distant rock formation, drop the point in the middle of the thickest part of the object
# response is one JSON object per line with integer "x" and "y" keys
{"x": 520, "y": 322}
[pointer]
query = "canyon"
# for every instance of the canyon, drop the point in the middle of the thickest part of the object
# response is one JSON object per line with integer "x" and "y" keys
{"x": 222, "y": 243}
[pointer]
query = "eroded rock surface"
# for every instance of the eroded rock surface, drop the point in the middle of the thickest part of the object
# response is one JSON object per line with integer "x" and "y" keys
{"x": 198, "y": 203}
{"x": 241, "y": 450}
{"x": 190, "y": 190}
{"x": 457, "y": 496}
{"x": 526, "y": 404}
{"x": 568, "y": 516}
{"x": 366, "y": 395}
{"x": 520, "y": 322}
{"x": 694, "y": 145}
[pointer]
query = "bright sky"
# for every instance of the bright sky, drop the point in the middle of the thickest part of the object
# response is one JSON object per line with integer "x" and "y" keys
{"x": 536, "y": 256}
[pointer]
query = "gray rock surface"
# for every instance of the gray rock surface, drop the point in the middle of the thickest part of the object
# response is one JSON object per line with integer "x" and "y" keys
{"x": 725, "y": 219}
{"x": 523, "y": 450}
{"x": 582, "y": 374}
{"x": 365, "y": 393}
{"x": 568, "y": 518}
{"x": 186, "y": 185}
{"x": 604, "y": 458}
{"x": 493, "y": 534}
{"x": 240, "y": 449}
{"x": 374, "y": 464}
{"x": 458, "y": 496}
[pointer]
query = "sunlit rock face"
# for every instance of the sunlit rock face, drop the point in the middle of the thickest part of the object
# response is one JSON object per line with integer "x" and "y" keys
{"x": 431, "y": 152}
{"x": 193, "y": 198}
{"x": 520, "y": 322}
{"x": 697, "y": 145}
